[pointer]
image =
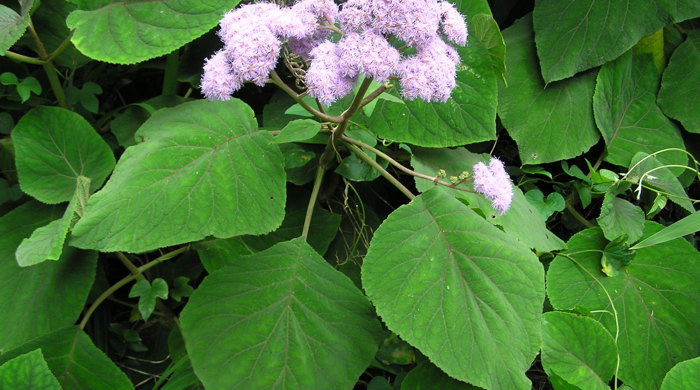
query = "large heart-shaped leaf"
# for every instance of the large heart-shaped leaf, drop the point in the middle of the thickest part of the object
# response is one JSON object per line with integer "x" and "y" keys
{"x": 575, "y": 35}
{"x": 203, "y": 169}
{"x": 127, "y": 32}
{"x": 684, "y": 375}
{"x": 28, "y": 371}
{"x": 53, "y": 148}
{"x": 427, "y": 376}
{"x": 626, "y": 113}
{"x": 681, "y": 83}
{"x": 655, "y": 301}
{"x": 46, "y": 296}
{"x": 457, "y": 288}
{"x": 549, "y": 122}
{"x": 12, "y": 25}
{"x": 521, "y": 220}
{"x": 283, "y": 319}
{"x": 578, "y": 350}
{"x": 75, "y": 361}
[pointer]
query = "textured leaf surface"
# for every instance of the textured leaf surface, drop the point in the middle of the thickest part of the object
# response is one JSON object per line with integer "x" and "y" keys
{"x": 548, "y": 122}
{"x": 44, "y": 297}
{"x": 681, "y": 83}
{"x": 203, "y": 169}
{"x": 618, "y": 216}
{"x": 468, "y": 116}
{"x": 458, "y": 289}
{"x": 298, "y": 130}
{"x": 427, "y": 376}
{"x": 521, "y": 220}
{"x": 129, "y": 32}
{"x": 684, "y": 375}
{"x": 75, "y": 361}
{"x": 657, "y": 300}
{"x": 54, "y": 147}
{"x": 578, "y": 349}
{"x": 12, "y": 25}
{"x": 575, "y": 35}
{"x": 28, "y": 371}
{"x": 626, "y": 113}
{"x": 280, "y": 317}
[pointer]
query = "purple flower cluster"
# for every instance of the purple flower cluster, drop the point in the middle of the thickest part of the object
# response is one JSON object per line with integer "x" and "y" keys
{"x": 494, "y": 183}
{"x": 253, "y": 36}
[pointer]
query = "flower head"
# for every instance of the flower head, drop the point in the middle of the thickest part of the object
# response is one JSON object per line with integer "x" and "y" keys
{"x": 430, "y": 74}
{"x": 325, "y": 79}
{"x": 493, "y": 182}
{"x": 452, "y": 23}
{"x": 368, "y": 53}
{"x": 218, "y": 81}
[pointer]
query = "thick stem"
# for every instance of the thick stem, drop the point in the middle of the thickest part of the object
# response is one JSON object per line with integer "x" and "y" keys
{"x": 61, "y": 47}
{"x": 380, "y": 90}
{"x": 172, "y": 65}
{"x": 320, "y": 171}
{"x": 578, "y": 215}
{"x": 298, "y": 98}
{"x": 369, "y": 160}
{"x": 49, "y": 69}
{"x": 23, "y": 58}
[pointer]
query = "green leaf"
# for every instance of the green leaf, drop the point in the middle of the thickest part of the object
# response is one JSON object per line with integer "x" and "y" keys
{"x": 619, "y": 217}
{"x": 469, "y": 116}
{"x": 626, "y": 113}
{"x": 458, "y": 289}
{"x": 46, "y": 296}
{"x": 578, "y": 349}
{"x": 485, "y": 29}
{"x": 681, "y": 83}
{"x": 203, "y": 169}
{"x": 522, "y": 220}
{"x": 298, "y": 130}
{"x": 181, "y": 288}
{"x": 75, "y": 361}
{"x": 218, "y": 253}
{"x": 427, "y": 376}
{"x": 46, "y": 242}
{"x": 282, "y": 317}
{"x": 130, "y": 32}
{"x": 655, "y": 301}
{"x": 28, "y": 371}
{"x": 549, "y": 122}
{"x": 147, "y": 294}
{"x": 553, "y": 203}
{"x": 683, "y": 227}
{"x": 684, "y": 375}
{"x": 575, "y": 35}
{"x": 12, "y": 25}
{"x": 616, "y": 256}
{"x": 651, "y": 172}
{"x": 54, "y": 147}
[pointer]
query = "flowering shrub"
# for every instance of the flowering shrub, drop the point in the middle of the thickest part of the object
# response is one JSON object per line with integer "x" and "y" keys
{"x": 367, "y": 194}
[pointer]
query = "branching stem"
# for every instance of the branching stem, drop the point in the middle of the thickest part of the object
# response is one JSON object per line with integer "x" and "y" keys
{"x": 49, "y": 69}
{"x": 299, "y": 99}
{"x": 369, "y": 160}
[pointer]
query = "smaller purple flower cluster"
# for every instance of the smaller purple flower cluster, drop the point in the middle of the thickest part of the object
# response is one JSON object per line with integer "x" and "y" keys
{"x": 253, "y": 36}
{"x": 493, "y": 182}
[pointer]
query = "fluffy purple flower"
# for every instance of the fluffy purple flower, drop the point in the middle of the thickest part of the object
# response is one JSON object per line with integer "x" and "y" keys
{"x": 453, "y": 25}
{"x": 356, "y": 16}
{"x": 370, "y": 54}
{"x": 325, "y": 80}
{"x": 430, "y": 74}
{"x": 325, "y": 10}
{"x": 494, "y": 183}
{"x": 218, "y": 82}
{"x": 413, "y": 21}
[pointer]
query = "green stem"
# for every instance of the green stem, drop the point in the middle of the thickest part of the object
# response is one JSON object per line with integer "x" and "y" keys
{"x": 172, "y": 65}
{"x": 136, "y": 273}
{"x": 129, "y": 265}
{"x": 23, "y": 58}
{"x": 320, "y": 171}
{"x": 578, "y": 215}
{"x": 49, "y": 69}
{"x": 380, "y": 90}
{"x": 299, "y": 99}
{"x": 369, "y": 160}
{"x": 61, "y": 47}
{"x": 402, "y": 168}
